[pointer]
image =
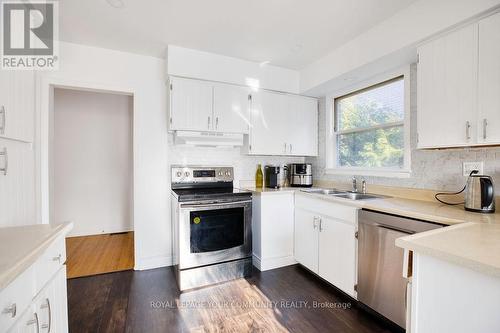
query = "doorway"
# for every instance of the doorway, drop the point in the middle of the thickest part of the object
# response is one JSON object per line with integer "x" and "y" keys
{"x": 91, "y": 178}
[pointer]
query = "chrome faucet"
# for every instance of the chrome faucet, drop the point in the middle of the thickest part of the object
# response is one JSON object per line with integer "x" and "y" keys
{"x": 354, "y": 184}
{"x": 363, "y": 186}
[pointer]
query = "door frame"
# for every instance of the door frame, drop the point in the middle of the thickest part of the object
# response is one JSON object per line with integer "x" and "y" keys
{"x": 45, "y": 86}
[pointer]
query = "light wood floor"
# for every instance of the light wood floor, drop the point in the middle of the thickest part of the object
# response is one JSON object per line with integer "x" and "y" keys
{"x": 97, "y": 254}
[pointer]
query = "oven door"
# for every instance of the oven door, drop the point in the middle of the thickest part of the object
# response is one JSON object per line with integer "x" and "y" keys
{"x": 214, "y": 232}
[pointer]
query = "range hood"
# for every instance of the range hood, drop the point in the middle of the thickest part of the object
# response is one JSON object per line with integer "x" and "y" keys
{"x": 211, "y": 139}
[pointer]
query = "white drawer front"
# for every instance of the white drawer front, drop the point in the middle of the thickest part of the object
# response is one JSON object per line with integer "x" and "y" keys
{"x": 49, "y": 263}
{"x": 327, "y": 208}
{"x": 16, "y": 298}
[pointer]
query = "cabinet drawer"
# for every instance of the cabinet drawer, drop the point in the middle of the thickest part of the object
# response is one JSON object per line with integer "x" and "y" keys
{"x": 326, "y": 208}
{"x": 49, "y": 263}
{"x": 16, "y": 298}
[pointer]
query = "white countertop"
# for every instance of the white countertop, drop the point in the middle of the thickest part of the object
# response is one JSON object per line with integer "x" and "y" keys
{"x": 21, "y": 246}
{"x": 471, "y": 239}
{"x": 472, "y": 245}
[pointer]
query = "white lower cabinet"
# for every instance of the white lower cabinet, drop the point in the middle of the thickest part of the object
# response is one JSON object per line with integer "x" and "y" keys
{"x": 337, "y": 253}
{"x": 325, "y": 240}
{"x": 272, "y": 230}
{"x": 36, "y": 301}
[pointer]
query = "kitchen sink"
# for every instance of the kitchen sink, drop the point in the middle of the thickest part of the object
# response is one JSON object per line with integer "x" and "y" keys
{"x": 331, "y": 191}
{"x": 358, "y": 196}
{"x": 343, "y": 194}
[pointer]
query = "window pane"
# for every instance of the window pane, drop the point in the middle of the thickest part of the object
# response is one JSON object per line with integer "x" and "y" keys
{"x": 379, "y": 148}
{"x": 381, "y": 104}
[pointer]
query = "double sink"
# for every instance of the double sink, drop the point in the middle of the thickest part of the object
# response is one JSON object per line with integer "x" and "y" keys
{"x": 343, "y": 194}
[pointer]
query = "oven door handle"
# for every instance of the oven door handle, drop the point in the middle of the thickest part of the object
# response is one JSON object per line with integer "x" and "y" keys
{"x": 215, "y": 204}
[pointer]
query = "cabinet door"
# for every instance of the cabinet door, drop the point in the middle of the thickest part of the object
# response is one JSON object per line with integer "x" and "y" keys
{"x": 17, "y": 184}
{"x": 28, "y": 323}
{"x": 489, "y": 80}
{"x": 447, "y": 79}
{"x": 306, "y": 239}
{"x": 17, "y": 105}
{"x": 191, "y": 105}
{"x": 269, "y": 118}
{"x": 337, "y": 253}
{"x": 231, "y": 109}
{"x": 302, "y": 136}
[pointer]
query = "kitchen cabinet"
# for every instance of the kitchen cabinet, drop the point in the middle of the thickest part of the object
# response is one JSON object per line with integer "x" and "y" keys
{"x": 231, "y": 108}
{"x": 458, "y": 84}
{"x": 306, "y": 239}
{"x": 17, "y": 183}
{"x": 489, "y": 80}
{"x": 197, "y": 105}
{"x": 325, "y": 240}
{"x": 283, "y": 124}
{"x": 36, "y": 300}
{"x": 273, "y": 229}
{"x": 17, "y": 105}
{"x": 447, "y": 78}
{"x": 337, "y": 253}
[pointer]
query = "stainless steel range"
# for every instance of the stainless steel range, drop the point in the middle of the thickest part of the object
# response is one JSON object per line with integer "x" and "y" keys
{"x": 212, "y": 224}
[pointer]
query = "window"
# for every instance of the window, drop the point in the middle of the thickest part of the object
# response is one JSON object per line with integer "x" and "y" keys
{"x": 369, "y": 130}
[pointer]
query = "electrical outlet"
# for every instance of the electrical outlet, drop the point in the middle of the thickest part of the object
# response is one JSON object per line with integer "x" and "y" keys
{"x": 469, "y": 166}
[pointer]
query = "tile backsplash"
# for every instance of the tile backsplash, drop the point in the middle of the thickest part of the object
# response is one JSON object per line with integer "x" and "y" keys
{"x": 431, "y": 169}
{"x": 244, "y": 165}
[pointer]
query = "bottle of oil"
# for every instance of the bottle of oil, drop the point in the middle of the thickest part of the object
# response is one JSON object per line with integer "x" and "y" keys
{"x": 259, "y": 177}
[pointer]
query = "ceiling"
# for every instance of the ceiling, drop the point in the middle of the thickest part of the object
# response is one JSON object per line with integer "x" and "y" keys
{"x": 287, "y": 33}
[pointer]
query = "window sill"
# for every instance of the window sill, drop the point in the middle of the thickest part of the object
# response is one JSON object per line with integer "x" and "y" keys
{"x": 369, "y": 172}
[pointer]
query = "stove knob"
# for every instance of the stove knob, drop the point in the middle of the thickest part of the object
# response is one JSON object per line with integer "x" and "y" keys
{"x": 186, "y": 173}
{"x": 228, "y": 173}
{"x": 220, "y": 173}
{"x": 179, "y": 174}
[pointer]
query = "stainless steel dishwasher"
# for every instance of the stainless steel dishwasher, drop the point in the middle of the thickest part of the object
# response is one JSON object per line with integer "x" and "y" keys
{"x": 381, "y": 285}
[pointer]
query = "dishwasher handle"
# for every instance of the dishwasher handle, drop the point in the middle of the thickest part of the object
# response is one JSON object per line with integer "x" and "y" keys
{"x": 406, "y": 231}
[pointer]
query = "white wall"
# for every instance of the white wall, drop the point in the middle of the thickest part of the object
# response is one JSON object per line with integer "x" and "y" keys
{"x": 144, "y": 78}
{"x": 93, "y": 161}
{"x": 391, "y": 43}
{"x": 209, "y": 66}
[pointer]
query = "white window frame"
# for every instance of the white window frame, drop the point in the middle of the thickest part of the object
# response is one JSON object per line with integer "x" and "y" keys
{"x": 331, "y": 135}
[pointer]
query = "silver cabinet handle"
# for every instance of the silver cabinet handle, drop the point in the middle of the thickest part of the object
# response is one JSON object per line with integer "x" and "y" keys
{"x": 208, "y": 123}
{"x": 58, "y": 258}
{"x": 290, "y": 147}
{"x": 5, "y": 155}
{"x": 485, "y": 124}
{"x": 216, "y": 122}
{"x": 320, "y": 224}
{"x": 4, "y": 120}
{"x": 467, "y": 130}
{"x": 315, "y": 219}
{"x": 12, "y": 310}
{"x": 285, "y": 148}
{"x": 34, "y": 321}
{"x": 46, "y": 305}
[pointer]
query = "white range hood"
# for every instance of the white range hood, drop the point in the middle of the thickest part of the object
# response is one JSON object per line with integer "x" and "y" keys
{"x": 211, "y": 139}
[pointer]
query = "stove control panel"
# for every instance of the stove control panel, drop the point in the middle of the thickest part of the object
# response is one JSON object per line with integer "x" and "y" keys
{"x": 192, "y": 174}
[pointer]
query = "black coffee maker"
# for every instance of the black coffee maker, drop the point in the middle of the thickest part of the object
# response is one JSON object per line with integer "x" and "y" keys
{"x": 272, "y": 176}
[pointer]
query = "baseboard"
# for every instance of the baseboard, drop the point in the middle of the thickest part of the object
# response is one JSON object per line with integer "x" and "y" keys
{"x": 272, "y": 263}
{"x": 152, "y": 262}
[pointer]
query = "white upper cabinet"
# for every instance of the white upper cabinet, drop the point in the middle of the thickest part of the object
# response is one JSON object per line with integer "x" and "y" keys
{"x": 458, "y": 87}
{"x": 283, "y": 124}
{"x": 17, "y": 105}
{"x": 231, "y": 108}
{"x": 191, "y": 105}
{"x": 302, "y": 137}
{"x": 268, "y": 124}
{"x": 447, "y": 78}
{"x": 489, "y": 81}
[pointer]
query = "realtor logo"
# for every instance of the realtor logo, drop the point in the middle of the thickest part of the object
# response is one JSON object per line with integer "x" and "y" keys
{"x": 29, "y": 35}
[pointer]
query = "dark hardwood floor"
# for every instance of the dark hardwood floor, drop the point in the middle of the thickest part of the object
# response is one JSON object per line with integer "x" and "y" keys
{"x": 272, "y": 301}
